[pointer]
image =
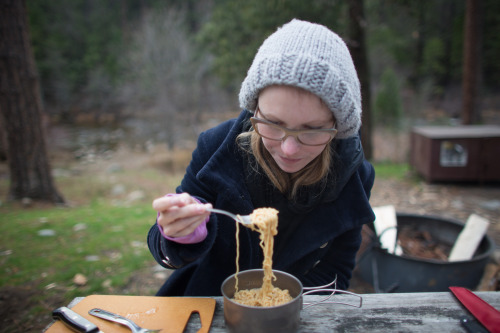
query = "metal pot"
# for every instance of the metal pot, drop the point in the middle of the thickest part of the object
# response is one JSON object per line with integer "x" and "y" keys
{"x": 389, "y": 272}
{"x": 282, "y": 318}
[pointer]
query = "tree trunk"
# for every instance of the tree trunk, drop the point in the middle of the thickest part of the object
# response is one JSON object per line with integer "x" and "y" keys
{"x": 21, "y": 109}
{"x": 470, "y": 64}
{"x": 416, "y": 75}
{"x": 448, "y": 10}
{"x": 358, "y": 49}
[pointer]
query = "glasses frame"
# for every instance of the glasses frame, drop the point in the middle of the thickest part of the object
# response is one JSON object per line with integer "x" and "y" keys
{"x": 292, "y": 132}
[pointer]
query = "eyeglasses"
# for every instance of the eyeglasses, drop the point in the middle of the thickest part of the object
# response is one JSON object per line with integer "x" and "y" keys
{"x": 309, "y": 137}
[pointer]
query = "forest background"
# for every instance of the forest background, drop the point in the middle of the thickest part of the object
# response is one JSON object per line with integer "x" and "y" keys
{"x": 132, "y": 83}
{"x": 174, "y": 61}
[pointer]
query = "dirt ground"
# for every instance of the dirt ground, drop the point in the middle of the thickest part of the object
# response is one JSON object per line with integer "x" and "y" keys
{"x": 456, "y": 201}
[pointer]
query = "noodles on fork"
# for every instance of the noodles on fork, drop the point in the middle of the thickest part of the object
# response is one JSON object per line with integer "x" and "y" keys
{"x": 264, "y": 221}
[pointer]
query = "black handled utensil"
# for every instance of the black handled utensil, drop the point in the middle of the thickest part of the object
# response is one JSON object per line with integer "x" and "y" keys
{"x": 75, "y": 321}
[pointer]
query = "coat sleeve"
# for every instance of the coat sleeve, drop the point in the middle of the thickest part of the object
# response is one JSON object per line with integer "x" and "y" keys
{"x": 174, "y": 255}
{"x": 339, "y": 257}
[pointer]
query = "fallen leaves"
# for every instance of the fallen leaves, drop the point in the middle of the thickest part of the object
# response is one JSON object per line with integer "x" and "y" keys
{"x": 80, "y": 280}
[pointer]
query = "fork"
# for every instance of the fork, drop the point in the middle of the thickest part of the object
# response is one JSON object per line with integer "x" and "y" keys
{"x": 121, "y": 320}
{"x": 243, "y": 219}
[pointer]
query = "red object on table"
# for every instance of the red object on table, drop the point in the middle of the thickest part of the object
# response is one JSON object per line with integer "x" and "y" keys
{"x": 487, "y": 315}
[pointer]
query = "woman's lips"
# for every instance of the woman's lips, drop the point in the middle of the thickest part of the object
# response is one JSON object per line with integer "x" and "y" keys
{"x": 288, "y": 160}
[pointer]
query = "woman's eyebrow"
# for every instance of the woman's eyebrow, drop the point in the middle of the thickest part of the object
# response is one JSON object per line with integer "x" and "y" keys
{"x": 260, "y": 111}
{"x": 262, "y": 114}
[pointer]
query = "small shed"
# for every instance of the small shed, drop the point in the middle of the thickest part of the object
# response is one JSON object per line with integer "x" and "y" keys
{"x": 456, "y": 153}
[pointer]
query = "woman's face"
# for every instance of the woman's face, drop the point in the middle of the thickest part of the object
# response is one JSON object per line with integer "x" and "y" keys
{"x": 293, "y": 108}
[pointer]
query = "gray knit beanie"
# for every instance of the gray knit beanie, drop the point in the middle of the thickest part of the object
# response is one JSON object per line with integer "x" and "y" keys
{"x": 312, "y": 57}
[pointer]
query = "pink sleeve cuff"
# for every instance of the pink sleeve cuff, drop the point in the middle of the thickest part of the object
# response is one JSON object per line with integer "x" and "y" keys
{"x": 198, "y": 235}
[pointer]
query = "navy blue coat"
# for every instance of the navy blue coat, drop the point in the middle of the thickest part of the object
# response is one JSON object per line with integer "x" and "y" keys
{"x": 321, "y": 249}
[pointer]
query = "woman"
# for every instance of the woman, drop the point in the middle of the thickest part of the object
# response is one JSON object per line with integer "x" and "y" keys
{"x": 294, "y": 147}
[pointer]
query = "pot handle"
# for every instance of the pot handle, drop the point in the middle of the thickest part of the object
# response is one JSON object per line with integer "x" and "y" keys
{"x": 332, "y": 291}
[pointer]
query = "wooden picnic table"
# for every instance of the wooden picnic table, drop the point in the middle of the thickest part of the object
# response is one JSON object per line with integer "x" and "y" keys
{"x": 387, "y": 312}
{"x": 405, "y": 312}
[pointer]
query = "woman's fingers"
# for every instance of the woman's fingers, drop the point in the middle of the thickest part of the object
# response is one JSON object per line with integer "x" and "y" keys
{"x": 176, "y": 213}
{"x": 167, "y": 202}
{"x": 182, "y": 227}
{"x": 180, "y": 215}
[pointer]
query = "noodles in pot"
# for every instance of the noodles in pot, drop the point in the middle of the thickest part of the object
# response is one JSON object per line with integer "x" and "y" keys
{"x": 264, "y": 221}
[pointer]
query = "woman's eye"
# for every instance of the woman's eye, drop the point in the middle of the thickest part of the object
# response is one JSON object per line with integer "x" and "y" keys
{"x": 312, "y": 128}
{"x": 279, "y": 123}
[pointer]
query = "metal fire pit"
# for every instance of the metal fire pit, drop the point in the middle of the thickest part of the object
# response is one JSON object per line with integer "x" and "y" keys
{"x": 388, "y": 272}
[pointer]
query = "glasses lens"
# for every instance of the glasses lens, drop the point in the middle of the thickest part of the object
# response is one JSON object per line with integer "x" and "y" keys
{"x": 314, "y": 138}
{"x": 270, "y": 132}
{"x": 306, "y": 137}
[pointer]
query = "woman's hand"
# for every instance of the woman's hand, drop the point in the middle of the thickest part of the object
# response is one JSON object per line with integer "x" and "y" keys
{"x": 180, "y": 215}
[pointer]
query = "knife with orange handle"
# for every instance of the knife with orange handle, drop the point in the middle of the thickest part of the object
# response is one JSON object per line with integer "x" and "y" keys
{"x": 487, "y": 315}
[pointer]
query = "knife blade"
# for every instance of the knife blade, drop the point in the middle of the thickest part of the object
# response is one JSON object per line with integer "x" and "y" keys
{"x": 75, "y": 321}
{"x": 487, "y": 315}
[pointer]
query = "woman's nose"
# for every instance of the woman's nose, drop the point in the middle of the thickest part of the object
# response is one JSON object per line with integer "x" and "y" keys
{"x": 290, "y": 145}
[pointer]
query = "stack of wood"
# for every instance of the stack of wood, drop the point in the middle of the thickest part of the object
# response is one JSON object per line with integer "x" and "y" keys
{"x": 421, "y": 244}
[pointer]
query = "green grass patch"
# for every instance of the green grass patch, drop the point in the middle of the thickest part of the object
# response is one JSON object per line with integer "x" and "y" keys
{"x": 104, "y": 243}
{"x": 101, "y": 234}
{"x": 388, "y": 170}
